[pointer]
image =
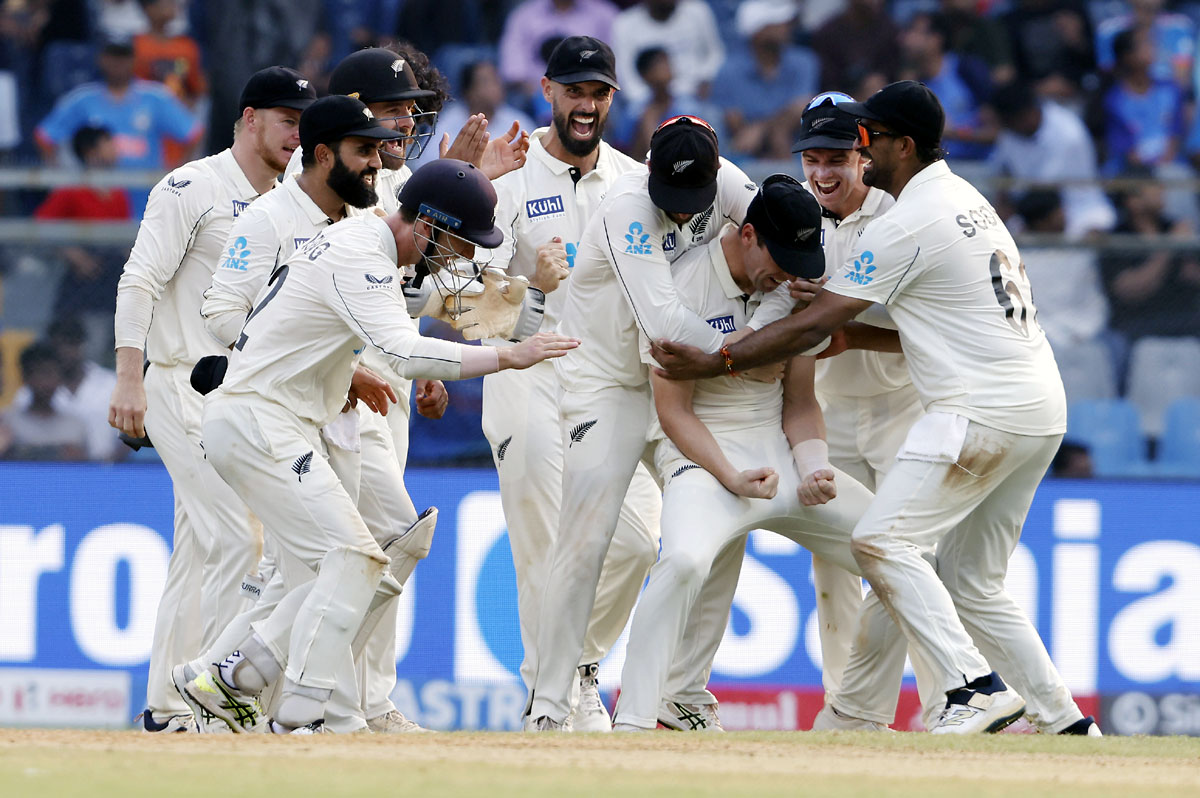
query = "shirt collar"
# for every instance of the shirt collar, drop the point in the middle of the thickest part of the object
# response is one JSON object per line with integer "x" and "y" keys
{"x": 870, "y": 204}
{"x": 538, "y": 151}
{"x": 716, "y": 254}
{"x": 230, "y": 167}
{"x": 312, "y": 211}
{"x": 932, "y": 172}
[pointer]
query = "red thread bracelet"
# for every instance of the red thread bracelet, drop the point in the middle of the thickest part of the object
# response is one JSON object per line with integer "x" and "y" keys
{"x": 728, "y": 361}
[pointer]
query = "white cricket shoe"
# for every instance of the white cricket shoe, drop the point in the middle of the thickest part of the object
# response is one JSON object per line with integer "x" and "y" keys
{"x": 207, "y": 692}
{"x": 829, "y": 719}
{"x": 204, "y": 721}
{"x": 689, "y": 717}
{"x": 543, "y": 724}
{"x": 969, "y": 711}
{"x": 590, "y": 715}
{"x": 316, "y": 727}
{"x": 173, "y": 723}
{"x": 395, "y": 722}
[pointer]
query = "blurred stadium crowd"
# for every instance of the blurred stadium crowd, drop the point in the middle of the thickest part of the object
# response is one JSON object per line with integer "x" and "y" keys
{"x": 1076, "y": 117}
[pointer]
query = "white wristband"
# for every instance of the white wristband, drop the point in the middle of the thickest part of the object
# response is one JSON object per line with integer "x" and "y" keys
{"x": 810, "y": 455}
{"x": 818, "y": 349}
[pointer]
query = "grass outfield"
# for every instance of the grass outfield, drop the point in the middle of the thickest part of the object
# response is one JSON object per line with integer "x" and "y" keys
{"x": 102, "y": 764}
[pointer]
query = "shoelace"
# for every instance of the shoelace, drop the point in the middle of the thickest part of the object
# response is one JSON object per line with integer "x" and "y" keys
{"x": 589, "y": 699}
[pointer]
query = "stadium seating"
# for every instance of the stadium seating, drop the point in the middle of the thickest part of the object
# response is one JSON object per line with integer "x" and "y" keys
{"x": 1110, "y": 428}
{"x": 1162, "y": 370}
{"x": 1087, "y": 370}
{"x": 1179, "y": 447}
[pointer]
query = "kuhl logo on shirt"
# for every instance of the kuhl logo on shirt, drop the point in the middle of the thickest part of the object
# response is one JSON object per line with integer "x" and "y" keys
{"x": 545, "y": 207}
{"x": 238, "y": 207}
{"x": 861, "y": 270}
{"x": 722, "y": 324}
{"x": 238, "y": 255}
{"x": 637, "y": 240}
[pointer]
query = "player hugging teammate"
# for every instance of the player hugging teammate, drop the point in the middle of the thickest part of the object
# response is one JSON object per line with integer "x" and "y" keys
{"x": 694, "y": 411}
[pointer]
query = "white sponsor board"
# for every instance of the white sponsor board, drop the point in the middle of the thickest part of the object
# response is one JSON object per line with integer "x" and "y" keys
{"x": 41, "y": 697}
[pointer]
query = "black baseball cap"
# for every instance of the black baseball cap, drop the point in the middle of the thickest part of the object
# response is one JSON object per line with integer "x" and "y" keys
{"x": 337, "y": 116}
{"x": 117, "y": 45}
{"x": 788, "y": 220}
{"x": 457, "y": 196}
{"x": 581, "y": 58}
{"x": 375, "y": 75}
{"x": 826, "y": 126}
{"x": 277, "y": 87}
{"x": 907, "y": 107}
{"x": 683, "y": 165}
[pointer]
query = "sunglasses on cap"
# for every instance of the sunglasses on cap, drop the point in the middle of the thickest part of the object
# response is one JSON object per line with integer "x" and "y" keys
{"x": 865, "y": 134}
{"x": 695, "y": 120}
{"x": 832, "y": 97}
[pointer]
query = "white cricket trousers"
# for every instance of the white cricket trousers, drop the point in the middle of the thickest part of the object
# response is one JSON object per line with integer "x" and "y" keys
{"x": 604, "y": 439}
{"x": 970, "y": 512}
{"x": 521, "y": 421}
{"x": 701, "y": 523}
{"x": 216, "y": 543}
{"x": 272, "y": 458}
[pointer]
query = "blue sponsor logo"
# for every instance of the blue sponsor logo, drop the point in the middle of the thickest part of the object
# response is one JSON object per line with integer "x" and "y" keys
{"x": 545, "y": 206}
{"x": 669, "y": 242}
{"x": 572, "y": 249}
{"x": 452, "y": 222}
{"x": 722, "y": 324}
{"x": 299, "y": 242}
{"x": 237, "y": 257}
{"x": 238, "y": 207}
{"x": 637, "y": 240}
{"x": 861, "y": 271}
{"x": 374, "y": 282}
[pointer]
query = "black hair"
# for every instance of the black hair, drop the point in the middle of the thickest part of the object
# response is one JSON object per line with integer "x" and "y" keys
{"x": 86, "y": 139}
{"x": 466, "y": 78}
{"x": 1038, "y": 204}
{"x": 67, "y": 327}
{"x": 929, "y": 153}
{"x": 37, "y": 354}
{"x": 1124, "y": 44}
{"x": 646, "y": 58}
{"x": 1014, "y": 98}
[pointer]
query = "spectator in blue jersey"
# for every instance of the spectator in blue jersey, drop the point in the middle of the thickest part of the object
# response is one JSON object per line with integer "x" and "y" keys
{"x": 961, "y": 82}
{"x": 140, "y": 114}
{"x": 1143, "y": 116}
{"x": 764, "y": 84}
{"x": 1173, "y": 37}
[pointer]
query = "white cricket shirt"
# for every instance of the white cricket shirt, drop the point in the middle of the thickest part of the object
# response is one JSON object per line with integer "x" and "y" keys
{"x": 542, "y": 200}
{"x": 705, "y": 286}
{"x": 178, "y": 246}
{"x": 953, "y": 282}
{"x": 337, "y": 292}
{"x": 857, "y": 372}
{"x": 262, "y": 237}
{"x": 621, "y": 284}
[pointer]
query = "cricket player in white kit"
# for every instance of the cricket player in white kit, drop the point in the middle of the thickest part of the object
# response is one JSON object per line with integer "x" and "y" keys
{"x": 216, "y": 543}
{"x": 740, "y": 454}
{"x": 543, "y": 209}
{"x": 621, "y": 287}
{"x": 288, "y": 378}
{"x": 950, "y": 275}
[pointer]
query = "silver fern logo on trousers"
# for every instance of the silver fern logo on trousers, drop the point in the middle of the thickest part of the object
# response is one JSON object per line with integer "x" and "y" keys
{"x": 302, "y": 466}
{"x": 579, "y": 430}
{"x": 503, "y": 447}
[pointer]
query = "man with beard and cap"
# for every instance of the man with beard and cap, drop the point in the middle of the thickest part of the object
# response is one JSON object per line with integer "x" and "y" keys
{"x": 187, "y": 221}
{"x": 936, "y": 540}
{"x": 543, "y": 209}
{"x": 621, "y": 288}
{"x": 288, "y": 376}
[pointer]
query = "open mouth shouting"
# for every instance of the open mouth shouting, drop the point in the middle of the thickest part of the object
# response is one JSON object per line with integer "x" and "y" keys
{"x": 583, "y": 126}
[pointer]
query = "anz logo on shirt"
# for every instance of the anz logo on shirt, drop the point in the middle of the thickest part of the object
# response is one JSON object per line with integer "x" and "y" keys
{"x": 861, "y": 270}
{"x": 669, "y": 242}
{"x": 238, "y": 207}
{"x": 637, "y": 240}
{"x": 722, "y": 324}
{"x": 238, "y": 255}
{"x": 545, "y": 208}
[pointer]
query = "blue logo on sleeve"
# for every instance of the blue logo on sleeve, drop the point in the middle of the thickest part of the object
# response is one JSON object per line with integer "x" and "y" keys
{"x": 572, "y": 249}
{"x": 238, "y": 256}
{"x": 861, "y": 270}
{"x": 669, "y": 242}
{"x": 637, "y": 240}
{"x": 722, "y": 324}
{"x": 549, "y": 207}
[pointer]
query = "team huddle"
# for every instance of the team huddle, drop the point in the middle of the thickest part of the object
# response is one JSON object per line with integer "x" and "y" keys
{"x": 674, "y": 356}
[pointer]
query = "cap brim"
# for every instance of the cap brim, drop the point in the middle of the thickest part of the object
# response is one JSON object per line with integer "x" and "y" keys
{"x": 824, "y": 143}
{"x": 489, "y": 239}
{"x": 806, "y": 263}
{"x": 584, "y": 77}
{"x": 375, "y": 132}
{"x": 411, "y": 94}
{"x": 860, "y": 111}
{"x": 677, "y": 199}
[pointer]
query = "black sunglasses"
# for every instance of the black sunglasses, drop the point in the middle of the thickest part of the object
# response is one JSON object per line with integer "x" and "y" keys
{"x": 865, "y": 134}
